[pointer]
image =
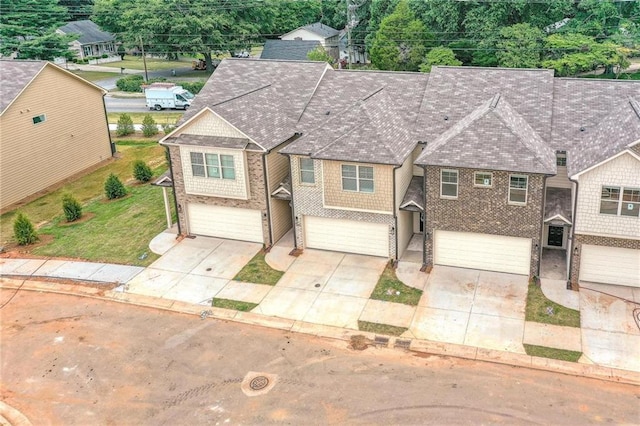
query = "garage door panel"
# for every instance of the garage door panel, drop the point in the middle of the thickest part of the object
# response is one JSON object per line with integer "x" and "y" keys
{"x": 610, "y": 265}
{"x": 225, "y": 222}
{"x": 483, "y": 251}
{"x": 347, "y": 236}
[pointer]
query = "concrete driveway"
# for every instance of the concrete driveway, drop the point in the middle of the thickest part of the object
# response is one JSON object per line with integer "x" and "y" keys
{"x": 610, "y": 333}
{"x": 471, "y": 307}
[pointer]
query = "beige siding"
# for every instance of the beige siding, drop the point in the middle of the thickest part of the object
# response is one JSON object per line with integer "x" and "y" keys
{"x": 403, "y": 178}
{"x": 405, "y": 230}
{"x": 277, "y": 168}
{"x": 280, "y": 218}
{"x": 417, "y": 170}
{"x": 228, "y": 188}
{"x": 280, "y": 211}
{"x": 381, "y": 200}
{"x": 73, "y": 138}
{"x": 560, "y": 180}
{"x": 210, "y": 124}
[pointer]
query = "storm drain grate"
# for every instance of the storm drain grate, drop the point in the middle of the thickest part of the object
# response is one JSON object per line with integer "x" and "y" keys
{"x": 259, "y": 383}
{"x": 381, "y": 341}
{"x": 404, "y": 344}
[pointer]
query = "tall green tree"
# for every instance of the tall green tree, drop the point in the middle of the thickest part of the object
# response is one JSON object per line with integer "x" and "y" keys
{"x": 27, "y": 27}
{"x": 401, "y": 42}
{"x": 439, "y": 56}
{"x": 78, "y": 9}
{"x": 520, "y": 46}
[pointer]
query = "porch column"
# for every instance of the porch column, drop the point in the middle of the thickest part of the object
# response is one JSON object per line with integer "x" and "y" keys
{"x": 167, "y": 207}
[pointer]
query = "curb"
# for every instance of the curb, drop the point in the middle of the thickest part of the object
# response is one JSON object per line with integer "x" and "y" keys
{"x": 331, "y": 332}
{"x": 12, "y": 417}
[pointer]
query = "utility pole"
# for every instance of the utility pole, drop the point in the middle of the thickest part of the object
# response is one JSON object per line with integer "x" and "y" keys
{"x": 144, "y": 61}
{"x": 352, "y": 22}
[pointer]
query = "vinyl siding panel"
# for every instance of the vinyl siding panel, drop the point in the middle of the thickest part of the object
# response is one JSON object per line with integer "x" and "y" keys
{"x": 405, "y": 230}
{"x": 73, "y": 138}
{"x": 277, "y": 170}
{"x": 403, "y": 178}
{"x": 560, "y": 180}
{"x": 380, "y": 200}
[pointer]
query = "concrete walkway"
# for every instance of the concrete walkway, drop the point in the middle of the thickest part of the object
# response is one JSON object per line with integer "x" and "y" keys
{"x": 469, "y": 309}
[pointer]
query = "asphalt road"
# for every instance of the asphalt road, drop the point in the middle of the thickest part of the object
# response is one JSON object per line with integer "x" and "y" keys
{"x": 70, "y": 360}
{"x": 129, "y": 105}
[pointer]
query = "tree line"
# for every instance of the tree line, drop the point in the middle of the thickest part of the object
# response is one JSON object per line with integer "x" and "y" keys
{"x": 569, "y": 36}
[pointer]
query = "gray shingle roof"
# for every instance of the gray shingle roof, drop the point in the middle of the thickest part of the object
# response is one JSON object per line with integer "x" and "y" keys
{"x": 593, "y": 119}
{"x": 283, "y": 191}
{"x": 493, "y": 137}
{"x": 320, "y": 29}
{"x": 361, "y": 116}
{"x": 15, "y": 77}
{"x": 557, "y": 203}
{"x": 88, "y": 32}
{"x": 454, "y": 92}
{"x": 414, "y": 197}
{"x": 213, "y": 141}
{"x": 262, "y": 98}
{"x": 294, "y": 50}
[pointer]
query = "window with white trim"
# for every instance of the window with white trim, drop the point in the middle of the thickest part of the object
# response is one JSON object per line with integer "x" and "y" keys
{"x": 482, "y": 179}
{"x": 357, "y": 178}
{"x": 449, "y": 183}
{"x": 561, "y": 160}
{"x": 39, "y": 119}
{"x": 518, "y": 185}
{"x": 212, "y": 165}
{"x": 307, "y": 174}
{"x": 620, "y": 201}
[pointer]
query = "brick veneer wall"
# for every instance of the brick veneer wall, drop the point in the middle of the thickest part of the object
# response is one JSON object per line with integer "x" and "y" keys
{"x": 256, "y": 199}
{"x": 307, "y": 200}
{"x": 576, "y": 252}
{"x": 484, "y": 210}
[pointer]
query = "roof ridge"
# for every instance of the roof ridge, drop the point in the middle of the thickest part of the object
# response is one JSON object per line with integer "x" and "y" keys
{"x": 241, "y": 95}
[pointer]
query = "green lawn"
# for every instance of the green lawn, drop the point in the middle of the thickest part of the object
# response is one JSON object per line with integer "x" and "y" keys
{"x": 120, "y": 230}
{"x": 544, "y": 352}
{"x": 541, "y": 309}
{"x": 257, "y": 271}
{"x": 136, "y": 63}
{"x": 137, "y": 117}
{"x": 372, "y": 327}
{"x": 391, "y": 289}
{"x": 96, "y": 75}
{"x": 233, "y": 304}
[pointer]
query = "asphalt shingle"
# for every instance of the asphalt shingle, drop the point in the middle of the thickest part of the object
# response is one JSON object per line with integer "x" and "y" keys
{"x": 292, "y": 50}
{"x": 16, "y": 75}
{"x": 88, "y": 32}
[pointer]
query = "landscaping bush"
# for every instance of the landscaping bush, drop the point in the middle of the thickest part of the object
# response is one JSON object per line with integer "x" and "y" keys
{"x": 192, "y": 86}
{"x": 130, "y": 83}
{"x": 71, "y": 207}
{"x": 168, "y": 128}
{"x": 24, "y": 231}
{"x": 149, "y": 126}
{"x": 141, "y": 171}
{"x": 113, "y": 187}
{"x": 125, "y": 125}
{"x": 104, "y": 56}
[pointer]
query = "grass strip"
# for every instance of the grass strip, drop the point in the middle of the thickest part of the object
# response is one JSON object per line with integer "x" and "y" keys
{"x": 390, "y": 289}
{"x": 545, "y": 352}
{"x": 233, "y": 304}
{"x": 540, "y": 309}
{"x": 386, "y": 329}
{"x": 257, "y": 271}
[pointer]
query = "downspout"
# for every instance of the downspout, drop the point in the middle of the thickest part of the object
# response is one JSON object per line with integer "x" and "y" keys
{"x": 267, "y": 195}
{"x": 572, "y": 235}
{"x": 293, "y": 210}
{"x": 112, "y": 145}
{"x": 395, "y": 212}
{"x": 424, "y": 218}
{"x": 173, "y": 186}
{"x": 544, "y": 201}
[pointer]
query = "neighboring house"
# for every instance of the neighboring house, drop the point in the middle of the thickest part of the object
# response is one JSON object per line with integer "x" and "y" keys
{"x": 54, "y": 126}
{"x": 490, "y": 168}
{"x": 91, "y": 41}
{"x": 292, "y": 50}
{"x": 327, "y": 36}
{"x": 358, "y": 53}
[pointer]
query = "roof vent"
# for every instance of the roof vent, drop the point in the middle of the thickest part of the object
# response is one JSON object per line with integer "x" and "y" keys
{"x": 582, "y": 128}
{"x": 495, "y": 100}
{"x": 327, "y": 113}
{"x": 446, "y": 118}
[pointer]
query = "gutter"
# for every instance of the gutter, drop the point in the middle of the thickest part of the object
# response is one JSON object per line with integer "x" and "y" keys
{"x": 572, "y": 235}
{"x": 395, "y": 212}
{"x": 267, "y": 195}
{"x": 106, "y": 118}
{"x": 424, "y": 218}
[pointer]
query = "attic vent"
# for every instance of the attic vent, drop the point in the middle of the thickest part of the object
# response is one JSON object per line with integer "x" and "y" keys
{"x": 446, "y": 118}
{"x": 495, "y": 100}
{"x": 582, "y": 128}
{"x": 636, "y": 106}
{"x": 327, "y": 113}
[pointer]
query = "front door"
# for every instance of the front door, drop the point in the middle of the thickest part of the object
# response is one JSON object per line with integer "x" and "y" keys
{"x": 556, "y": 234}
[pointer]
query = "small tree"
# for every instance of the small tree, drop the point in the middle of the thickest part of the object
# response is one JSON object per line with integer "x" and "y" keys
{"x": 439, "y": 56}
{"x": 24, "y": 231}
{"x": 141, "y": 171}
{"x": 113, "y": 187}
{"x": 71, "y": 207}
{"x": 149, "y": 126}
{"x": 320, "y": 54}
{"x": 125, "y": 125}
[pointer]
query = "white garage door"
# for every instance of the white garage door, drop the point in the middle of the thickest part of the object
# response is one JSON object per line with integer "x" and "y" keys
{"x": 347, "y": 235}
{"x": 483, "y": 251}
{"x": 225, "y": 222}
{"x": 610, "y": 265}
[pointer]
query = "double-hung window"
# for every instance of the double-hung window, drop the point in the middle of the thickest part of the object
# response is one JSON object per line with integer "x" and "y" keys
{"x": 357, "y": 178}
{"x": 620, "y": 201}
{"x": 307, "y": 174}
{"x": 449, "y": 183}
{"x": 482, "y": 179}
{"x": 518, "y": 189}
{"x": 215, "y": 166}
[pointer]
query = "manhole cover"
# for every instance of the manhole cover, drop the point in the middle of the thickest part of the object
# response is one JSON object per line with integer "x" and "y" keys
{"x": 259, "y": 383}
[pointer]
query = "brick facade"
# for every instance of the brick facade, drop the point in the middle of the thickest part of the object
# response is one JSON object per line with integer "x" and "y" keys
{"x": 308, "y": 201}
{"x": 256, "y": 201}
{"x": 484, "y": 210}
{"x": 576, "y": 252}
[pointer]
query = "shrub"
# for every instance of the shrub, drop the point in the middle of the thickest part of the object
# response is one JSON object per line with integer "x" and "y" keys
{"x": 125, "y": 125}
{"x": 71, "y": 207}
{"x": 23, "y": 230}
{"x": 149, "y": 126}
{"x": 141, "y": 171}
{"x": 130, "y": 83}
{"x": 168, "y": 128}
{"x": 192, "y": 86}
{"x": 104, "y": 56}
{"x": 113, "y": 187}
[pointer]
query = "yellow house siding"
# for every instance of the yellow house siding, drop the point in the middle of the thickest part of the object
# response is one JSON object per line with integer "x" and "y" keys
{"x": 277, "y": 170}
{"x": 405, "y": 230}
{"x": 73, "y": 138}
{"x": 280, "y": 218}
{"x": 210, "y": 124}
{"x": 381, "y": 200}
{"x": 403, "y": 179}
